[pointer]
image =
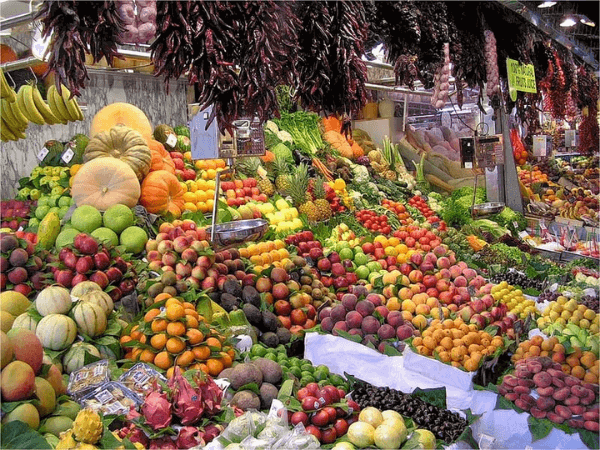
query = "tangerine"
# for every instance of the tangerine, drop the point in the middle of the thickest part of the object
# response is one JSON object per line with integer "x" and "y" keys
{"x": 175, "y": 311}
{"x": 150, "y": 315}
{"x": 214, "y": 366}
{"x": 163, "y": 360}
{"x": 191, "y": 321}
{"x": 194, "y": 336}
{"x": 147, "y": 356}
{"x": 159, "y": 325}
{"x": 176, "y": 329}
{"x": 175, "y": 345}
{"x": 201, "y": 353}
{"x": 158, "y": 341}
{"x": 161, "y": 297}
{"x": 214, "y": 342}
{"x": 185, "y": 359}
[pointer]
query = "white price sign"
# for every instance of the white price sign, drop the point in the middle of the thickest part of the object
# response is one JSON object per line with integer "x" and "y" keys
{"x": 172, "y": 140}
{"x": 42, "y": 153}
{"x": 67, "y": 156}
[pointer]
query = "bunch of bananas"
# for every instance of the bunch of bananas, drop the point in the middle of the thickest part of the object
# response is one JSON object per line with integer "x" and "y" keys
{"x": 18, "y": 109}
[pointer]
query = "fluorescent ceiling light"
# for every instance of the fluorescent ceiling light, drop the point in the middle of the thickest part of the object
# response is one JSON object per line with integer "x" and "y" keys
{"x": 568, "y": 21}
{"x": 546, "y": 4}
{"x": 586, "y": 21}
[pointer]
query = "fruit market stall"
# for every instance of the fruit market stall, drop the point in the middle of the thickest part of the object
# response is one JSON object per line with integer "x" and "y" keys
{"x": 142, "y": 307}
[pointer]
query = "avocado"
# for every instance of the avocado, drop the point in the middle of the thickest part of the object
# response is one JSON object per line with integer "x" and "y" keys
{"x": 229, "y": 302}
{"x": 284, "y": 335}
{"x": 253, "y": 314}
{"x": 233, "y": 287}
{"x": 270, "y": 339}
{"x": 269, "y": 321}
{"x": 251, "y": 295}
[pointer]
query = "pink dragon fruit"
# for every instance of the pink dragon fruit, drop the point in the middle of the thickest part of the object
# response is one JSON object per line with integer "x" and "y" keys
{"x": 132, "y": 414}
{"x": 163, "y": 443}
{"x": 211, "y": 393}
{"x": 134, "y": 434}
{"x": 211, "y": 431}
{"x": 157, "y": 410}
{"x": 189, "y": 437}
{"x": 187, "y": 401}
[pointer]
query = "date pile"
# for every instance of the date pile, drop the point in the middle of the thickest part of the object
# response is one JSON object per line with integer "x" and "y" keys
{"x": 540, "y": 387}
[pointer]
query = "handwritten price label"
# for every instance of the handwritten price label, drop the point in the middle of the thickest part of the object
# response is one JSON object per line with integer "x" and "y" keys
{"x": 42, "y": 153}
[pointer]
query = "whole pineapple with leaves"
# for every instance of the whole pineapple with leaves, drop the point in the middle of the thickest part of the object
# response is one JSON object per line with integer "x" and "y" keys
{"x": 298, "y": 189}
{"x": 264, "y": 184}
{"x": 323, "y": 206}
{"x": 282, "y": 179}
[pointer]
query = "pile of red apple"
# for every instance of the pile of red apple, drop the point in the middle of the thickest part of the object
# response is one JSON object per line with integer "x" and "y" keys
{"x": 373, "y": 222}
{"x": 183, "y": 172}
{"x": 240, "y": 192}
{"x": 421, "y": 204}
{"x": 87, "y": 260}
{"x": 319, "y": 415}
{"x": 334, "y": 272}
{"x": 20, "y": 269}
{"x": 15, "y": 213}
{"x": 305, "y": 242}
{"x": 367, "y": 318}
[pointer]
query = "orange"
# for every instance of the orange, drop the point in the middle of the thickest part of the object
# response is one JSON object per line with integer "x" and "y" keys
{"x": 150, "y": 315}
{"x": 163, "y": 360}
{"x": 161, "y": 297}
{"x": 175, "y": 345}
{"x": 185, "y": 359}
{"x": 215, "y": 367}
{"x": 172, "y": 301}
{"x": 176, "y": 329}
{"x": 194, "y": 336}
{"x": 214, "y": 342}
{"x": 175, "y": 312}
{"x": 135, "y": 354}
{"x": 159, "y": 325}
{"x": 188, "y": 305}
{"x": 125, "y": 339}
{"x": 201, "y": 353}
{"x": 158, "y": 341}
{"x": 226, "y": 360}
{"x": 191, "y": 321}
{"x": 147, "y": 356}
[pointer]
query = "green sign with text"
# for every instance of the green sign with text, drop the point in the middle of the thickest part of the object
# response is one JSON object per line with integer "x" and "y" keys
{"x": 521, "y": 77}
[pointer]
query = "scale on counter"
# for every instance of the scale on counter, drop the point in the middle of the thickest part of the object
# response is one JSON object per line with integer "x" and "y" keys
{"x": 478, "y": 153}
{"x": 209, "y": 143}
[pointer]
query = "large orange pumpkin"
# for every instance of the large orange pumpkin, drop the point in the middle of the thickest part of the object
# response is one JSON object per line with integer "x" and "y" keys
{"x": 162, "y": 193}
{"x": 121, "y": 114}
{"x": 161, "y": 160}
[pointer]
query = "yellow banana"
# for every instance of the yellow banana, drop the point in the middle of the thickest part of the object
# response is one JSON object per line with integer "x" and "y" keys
{"x": 14, "y": 129}
{"x": 8, "y": 116}
{"x": 43, "y": 107}
{"x": 79, "y": 111}
{"x": 57, "y": 105}
{"x": 6, "y": 131}
{"x": 68, "y": 104}
{"x": 27, "y": 107}
{"x": 5, "y": 90}
{"x": 18, "y": 114}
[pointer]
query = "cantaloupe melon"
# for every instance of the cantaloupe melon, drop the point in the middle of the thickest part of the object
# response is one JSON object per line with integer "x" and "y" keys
{"x": 121, "y": 114}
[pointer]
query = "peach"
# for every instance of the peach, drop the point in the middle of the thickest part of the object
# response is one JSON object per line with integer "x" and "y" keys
{"x": 386, "y": 331}
{"x": 545, "y": 403}
{"x": 365, "y": 308}
{"x": 370, "y": 325}
{"x": 542, "y": 379}
{"x": 354, "y": 319}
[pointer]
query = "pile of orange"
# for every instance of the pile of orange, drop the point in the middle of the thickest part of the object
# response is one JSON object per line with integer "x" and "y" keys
{"x": 198, "y": 195}
{"x": 455, "y": 342}
{"x": 265, "y": 254}
{"x": 176, "y": 335}
{"x": 580, "y": 364}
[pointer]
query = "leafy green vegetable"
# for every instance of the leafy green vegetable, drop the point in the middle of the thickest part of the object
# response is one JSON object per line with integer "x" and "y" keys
{"x": 283, "y": 151}
{"x": 457, "y": 209}
{"x": 304, "y": 129}
{"x": 485, "y": 225}
{"x": 508, "y": 218}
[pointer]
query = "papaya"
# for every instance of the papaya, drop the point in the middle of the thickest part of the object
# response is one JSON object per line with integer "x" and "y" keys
{"x": 48, "y": 231}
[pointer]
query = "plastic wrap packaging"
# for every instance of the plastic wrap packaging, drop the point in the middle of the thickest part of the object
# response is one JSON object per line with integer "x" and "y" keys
{"x": 248, "y": 424}
{"x": 88, "y": 378}
{"x": 111, "y": 398}
{"x": 141, "y": 379}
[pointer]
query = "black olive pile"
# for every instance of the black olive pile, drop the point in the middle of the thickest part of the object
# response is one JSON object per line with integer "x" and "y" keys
{"x": 547, "y": 296}
{"x": 444, "y": 424}
{"x": 518, "y": 279}
{"x": 591, "y": 302}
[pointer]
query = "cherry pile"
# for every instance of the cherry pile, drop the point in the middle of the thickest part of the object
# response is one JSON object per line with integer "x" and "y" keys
{"x": 372, "y": 222}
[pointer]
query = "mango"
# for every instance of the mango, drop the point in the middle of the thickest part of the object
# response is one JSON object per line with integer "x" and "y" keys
{"x": 6, "y": 351}
{"x": 17, "y": 382}
{"x": 56, "y": 425}
{"x": 54, "y": 377}
{"x": 27, "y": 347}
{"x": 44, "y": 392}
{"x": 25, "y": 413}
{"x": 6, "y": 321}
{"x": 14, "y": 302}
{"x": 68, "y": 409}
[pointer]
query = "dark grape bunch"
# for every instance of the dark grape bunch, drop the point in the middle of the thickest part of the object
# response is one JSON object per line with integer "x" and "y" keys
{"x": 591, "y": 302}
{"x": 443, "y": 423}
{"x": 518, "y": 279}
{"x": 548, "y": 296}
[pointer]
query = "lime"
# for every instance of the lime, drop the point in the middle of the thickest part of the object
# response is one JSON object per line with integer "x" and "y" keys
{"x": 64, "y": 201}
{"x": 134, "y": 239}
{"x": 42, "y": 201}
{"x": 41, "y": 211}
{"x": 52, "y": 200}
{"x": 86, "y": 218}
{"x": 271, "y": 356}
{"x": 66, "y": 237}
{"x": 118, "y": 217}
{"x": 258, "y": 350}
{"x": 296, "y": 371}
{"x": 106, "y": 236}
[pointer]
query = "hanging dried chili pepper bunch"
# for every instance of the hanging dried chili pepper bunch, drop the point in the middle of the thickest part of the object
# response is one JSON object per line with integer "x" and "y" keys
{"x": 78, "y": 28}
{"x": 331, "y": 72}
{"x": 433, "y": 22}
{"x": 553, "y": 86}
{"x": 587, "y": 84}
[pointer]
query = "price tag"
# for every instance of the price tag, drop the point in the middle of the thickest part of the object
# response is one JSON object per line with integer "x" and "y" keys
{"x": 516, "y": 225}
{"x": 42, "y": 153}
{"x": 67, "y": 156}
{"x": 172, "y": 140}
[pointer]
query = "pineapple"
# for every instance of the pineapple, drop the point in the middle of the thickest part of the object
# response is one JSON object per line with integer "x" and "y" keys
{"x": 87, "y": 427}
{"x": 264, "y": 184}
{"x": 282, "y": 181}
{"x": 323, "y": 206}
{"x": 298, "y": 191}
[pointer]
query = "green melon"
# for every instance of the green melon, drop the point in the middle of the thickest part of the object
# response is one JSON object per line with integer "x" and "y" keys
{"x": 106, "y": 236}
{"x": 86, "y": 218}
{"x": 118, "y": 217}
{"x": 65, "y": 237}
